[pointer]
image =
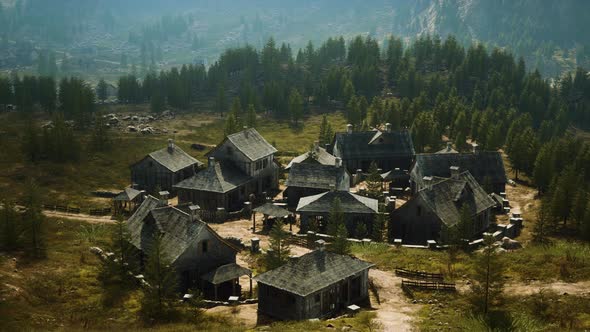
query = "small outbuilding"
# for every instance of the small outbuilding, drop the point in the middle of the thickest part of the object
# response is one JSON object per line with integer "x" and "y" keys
{"x": 306, "y": 179}
{"x": 317, "y": 155}
{"x": 164, "y": 168}
{"x": 355, "y": 208}
{"x": 127, "y": 201}
{"x": 316, "y": 285}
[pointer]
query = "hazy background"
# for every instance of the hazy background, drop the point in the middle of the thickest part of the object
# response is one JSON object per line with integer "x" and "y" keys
{"x": 105, "y": 38}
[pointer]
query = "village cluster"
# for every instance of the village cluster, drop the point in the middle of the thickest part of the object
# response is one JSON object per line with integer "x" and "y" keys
{"x": 421, "y": 194}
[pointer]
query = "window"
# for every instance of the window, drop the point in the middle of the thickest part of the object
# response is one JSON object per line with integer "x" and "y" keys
{"x": 419, "y": 211}
{"x": 204, "y": 246}
{"x": 264, "y": 163}
{"x": 317, "y": 298}
{"x": 258, "y": 164}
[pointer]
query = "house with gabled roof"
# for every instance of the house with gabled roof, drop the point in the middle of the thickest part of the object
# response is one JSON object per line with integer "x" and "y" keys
{"x": 487, "y": 167}
{"x": 438, "y": 205}
{"x": 317, "y": 155}
{"x": 388, "y": 148}
{"x": 162, "y": 169}
{"x": 355, "y": 208}
{"x": 307, "y": 179}
{"x": 193, "y": 249}
{"x": 240, "y": 166}
{"x": 318, "y": 284}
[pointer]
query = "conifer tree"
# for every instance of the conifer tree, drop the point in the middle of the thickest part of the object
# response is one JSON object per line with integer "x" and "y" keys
{"x": 251, "y": 116}
{"x": 340, "y": 244}
{"x": 378, "y": 228}
{"x": 231, "y": 124}
{"x": 100, "y": 140}
{"x": 543, "y": 224}
{"x": 295, "y": 106}
{"x": 101, "y": 90}
{"x": 335, "y": 218}
{"x": 9, "y": 226}
{"x": 374, "y": 181}
{"x": 159, "y": 298}
{"x": 220, "y": 103}
{"x": 34, "y": 222}
{"x": 488, "y": 278}
{"x": 280, "y": 248}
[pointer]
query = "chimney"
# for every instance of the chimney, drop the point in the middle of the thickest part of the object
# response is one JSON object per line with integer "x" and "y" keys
{"x": 170, "y": 145}
{"x": 164, "y": 198}
{"x": 332, "y": 187}
{"x": 475, "y": 147}
{"x": 320, "y": 245}
{"x": 211, "y": 162}
{"x": 338, "y": 162}
{"x": 388, "y": 127}
{"x": 349, "y": 128}
{"x": 455, "y": 170}
{"x": 427, "y": 182}
{"x": 327, "y": 147}
{"x": 194, "y": 212}
{"x": 449, "y": 146}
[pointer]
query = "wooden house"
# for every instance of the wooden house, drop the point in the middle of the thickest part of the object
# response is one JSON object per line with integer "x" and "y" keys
{"x": 356, "y": 209}
{"x": 438, "y": 205}
{"x": 307, "y": 179}
{"x": 389, "y": 149}
{"x": 317, "y": 155}
{"x": 162, "y": 169}
{"x": 316, "y": 285}
{"x": 486, "y": 167}
{"x": 194, "y": 249}
{"x": 240, "y": 166}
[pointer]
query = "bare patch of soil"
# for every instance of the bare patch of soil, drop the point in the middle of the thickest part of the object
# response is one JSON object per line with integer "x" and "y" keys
{"x": 395, "y": 313}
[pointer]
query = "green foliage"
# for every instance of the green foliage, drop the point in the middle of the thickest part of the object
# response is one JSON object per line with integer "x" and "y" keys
{"x": 543, "y": 225}
{"x": 101, "y": 90}
{"x": 326, "y": 133}
{"x": 76, "y": 100}
{"x": 251, "y": 116}
{"x": 488, "y": 277}
{"x": 340, "y": 244}
{"x": 232, "y": 124}
{"x": 425, "y": 132}
{"x": 360, "y": 231}
{"x": 295, "y": 106}
{"x": 374, "y": 181}
{"x": 280, "y": 248}
{"x": 335, "y": 218}
{"x": 9, "y": 227}
{"x": 378, "y": 228}
{"x": 100, "y": 140}
{"x": 159, "y": 299}
{"x": 34, "y": 222}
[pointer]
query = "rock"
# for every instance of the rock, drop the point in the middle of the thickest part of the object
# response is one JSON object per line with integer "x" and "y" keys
{"x": 132, "y": 129}
{"x": 198, "y": 147}
{"x": 468, "y": 282}
{"x": 414, "y": 301}
{"x": 509, "y": 244}
{"x": 330, "y": 326}
{"x": 135, "y": 118}
{"x": 126, "y": 118}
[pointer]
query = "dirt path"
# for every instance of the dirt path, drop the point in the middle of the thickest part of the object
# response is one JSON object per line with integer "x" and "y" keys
{"x": 394, "y": 313}
{"x": 246, "y": 314}
{"x": 82, "y": 217}
{"x": 579, "y": 288}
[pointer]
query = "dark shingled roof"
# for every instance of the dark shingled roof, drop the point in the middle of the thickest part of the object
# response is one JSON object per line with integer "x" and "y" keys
{"x": 374, "y": 144}
{"x": 480, "y": 165}
{"x": 350, "y": 203}
{"x": 226, "y": 273}
{"x": 128, "y": 194}
{"x": 270, "y": 209}
{"x": 318, "y": 176}
{"x": 320, "y": 156}
{"x": 222, "y": 177}
{"x": 251, "y": 144}
{"x": 174, "y": 159}
{"x": 178, "y": 230}
{"x": 445, "y": 197}
{"x": 312, "y": 272}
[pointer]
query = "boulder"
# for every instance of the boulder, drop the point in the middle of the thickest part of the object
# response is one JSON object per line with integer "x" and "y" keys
{"x": 132, "y": 129}
{"x": 509, "y": 244}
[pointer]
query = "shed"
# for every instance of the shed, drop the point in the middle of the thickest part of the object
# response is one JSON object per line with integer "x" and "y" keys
{"x": 306, "y": 179}
{"x": 127, "y": 200}
{"x": 227, "y": 273}
{"x": 356, "y": 209}
{"x": 316, "y": 285}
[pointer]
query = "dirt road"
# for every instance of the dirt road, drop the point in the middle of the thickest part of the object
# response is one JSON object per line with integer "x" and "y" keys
{"x": 579, "y": 288}
{"x": 82, "y": 217}
{"x": 395, "y": 313}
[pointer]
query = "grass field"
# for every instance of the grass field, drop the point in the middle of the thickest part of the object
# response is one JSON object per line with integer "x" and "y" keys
{"x": 72, "y": 183}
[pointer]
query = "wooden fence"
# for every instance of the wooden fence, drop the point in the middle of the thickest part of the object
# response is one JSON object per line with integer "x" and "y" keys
{"x": 75, "y": 210}
{"x": 418, "y": 275}
{"x": 429, "y": 285}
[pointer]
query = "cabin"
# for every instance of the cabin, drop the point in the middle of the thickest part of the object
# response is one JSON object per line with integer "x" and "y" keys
{"x": 239, "y": 167}
{"x": 162, "y": 169}
{"x": 317, "y": 155}
{"x": 194, "y": 249}
{"x": 356, "y": 209}
{"x": 389, "y": 149}
{"x": 307, "y": 179}
{"x": 438, "y": 205}
{"x": 319, "y": 284}
{"x": 487, "y": 167}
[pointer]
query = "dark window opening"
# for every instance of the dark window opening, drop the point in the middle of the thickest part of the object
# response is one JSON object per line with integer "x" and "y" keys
{"x": 204, "y": 246}
{"x": 419, "y": 211}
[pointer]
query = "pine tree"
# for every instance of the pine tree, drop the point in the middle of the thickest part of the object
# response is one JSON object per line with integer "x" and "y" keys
{"x": 544, "y": 168}
{"x": 9, "y": 232}
{"x": 251, "y": 117}
{"x": 335, "y": 218}
{"x": 374, "y": 181}
{"x": 101, "y": 90}
{"x": 32, "y": 143}
{"x": 488, "y": 278}
{"x": 360, "y": 231}
{"x": 564, "y": 190}
{"x": 231, "y": 124}
{"x": 157, "y": 102}
{"x": 100, "y": 140}
{"x": 585, "y": 227}
{"x": 159, "y": 298}
{"x": 378, "y": 229}
{"x": 295, "y": 106}
{"x": 220, "y": 103}
{"x": 340, "y": 244}
{"x": 543, "y": 224}
{"x": 465, "y": 224}
{"x": 280, "y": 248}
{"x": 323, "y": 127}
{"x": 34, "y": 222}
